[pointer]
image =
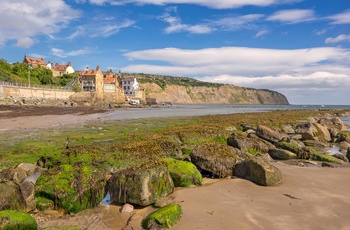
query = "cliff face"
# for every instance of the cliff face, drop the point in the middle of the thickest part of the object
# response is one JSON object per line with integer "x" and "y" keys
{"x": 224, "y": 94}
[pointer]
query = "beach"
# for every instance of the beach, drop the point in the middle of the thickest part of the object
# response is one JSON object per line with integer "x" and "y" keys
{"x": 308, "y": 198}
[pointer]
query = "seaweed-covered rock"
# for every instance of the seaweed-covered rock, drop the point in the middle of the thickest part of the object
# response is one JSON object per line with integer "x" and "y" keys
{"x": 72, "y": 188}
{"x": 218, "y": 159}
{"x": 282, "y": 154}
{"x": 333, "y": 122}
{"x": 269, "y": 134}
{"x": 165, "y": 217}
{"x": 248, "y": 144}
{"x": 143, "y": 185}
{"x": 12, "y": 220}
{"x": 259, "y": 172}
{"x": 183, "y": 173}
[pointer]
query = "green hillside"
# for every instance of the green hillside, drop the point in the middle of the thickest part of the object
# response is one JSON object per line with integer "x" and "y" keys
{"x": 18, "y": 72}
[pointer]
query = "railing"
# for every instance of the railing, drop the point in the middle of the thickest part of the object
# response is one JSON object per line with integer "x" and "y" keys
{"x": 31, "y": 86}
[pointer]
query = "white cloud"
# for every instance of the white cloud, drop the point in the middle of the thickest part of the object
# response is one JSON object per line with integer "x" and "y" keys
{"x": 225, "y": 23}
{"x": 25, "y": 42}
{"x": 26, "y": 19}
{"x": 63, "y": 54}
{"x": 262, "y": 33}
{"x": 340, "y": 38}
{"x": 342, "y": 18}
{"x": 217, "y": 4}
{"x": 292, "y": 72}
{"x": 293, "y": 16}
{"x": 320, "y": 32}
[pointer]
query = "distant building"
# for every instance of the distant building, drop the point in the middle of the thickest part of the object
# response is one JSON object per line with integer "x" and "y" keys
{"x": 89, "y": 77}
{"x": 111, "y": 82}
{"x": 34, "y": 62}
{"x": 130, "y": 86}
{"x": 59, "y": 70}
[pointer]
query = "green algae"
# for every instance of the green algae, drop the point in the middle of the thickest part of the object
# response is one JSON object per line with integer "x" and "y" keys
{"x": 16, "y": 220}
{"x": 165, "y": 217}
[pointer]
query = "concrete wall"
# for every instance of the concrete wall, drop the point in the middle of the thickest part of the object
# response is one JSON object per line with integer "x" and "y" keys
{"x": 8, "y": 91}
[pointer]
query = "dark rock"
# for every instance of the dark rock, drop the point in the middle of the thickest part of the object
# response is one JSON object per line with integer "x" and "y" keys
{"x": 341, "y": 157}
{"x": 143, "y": 185}
{"x": 259, "y": 172}
{"x": 218, "y": 159}
{"x": 249, "y": 144}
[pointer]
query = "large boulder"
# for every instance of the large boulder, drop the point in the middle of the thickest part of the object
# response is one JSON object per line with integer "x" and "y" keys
{"x": 251, "y": 144}
{"x": 269, "y": 134}
{"x": 217, "y": 159}
{"x": 142, "y": 185}
{"x": 71, "y": 188}
{"x": 259, "y": 172}
{"x": 183, "y": 173}
{"x": 313, "y": 131}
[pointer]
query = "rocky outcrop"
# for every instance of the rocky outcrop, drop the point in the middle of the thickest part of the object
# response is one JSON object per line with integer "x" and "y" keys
{"x": 223, "y": 94}
{"x": 217, "y": 159}
{"x": 143, "y": 185}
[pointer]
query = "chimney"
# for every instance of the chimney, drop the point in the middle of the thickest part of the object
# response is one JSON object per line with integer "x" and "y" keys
{"x": 56, "y": 65}
{"x": 69, "y": 63}
{"x": 86, "y": 69}
{"x": 97, "y": 67}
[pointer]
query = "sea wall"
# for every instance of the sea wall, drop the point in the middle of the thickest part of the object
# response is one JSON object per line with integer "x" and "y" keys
{"x": 33, "y": 93}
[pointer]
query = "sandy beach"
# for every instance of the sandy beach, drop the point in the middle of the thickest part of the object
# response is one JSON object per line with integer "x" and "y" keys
{"x": 308, "y": 198}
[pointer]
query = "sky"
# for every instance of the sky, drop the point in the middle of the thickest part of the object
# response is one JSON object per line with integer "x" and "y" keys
{"x": 300, "y": 48}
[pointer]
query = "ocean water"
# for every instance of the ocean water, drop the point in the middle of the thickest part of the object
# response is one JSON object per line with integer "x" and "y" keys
{"x": 179, "y": 110}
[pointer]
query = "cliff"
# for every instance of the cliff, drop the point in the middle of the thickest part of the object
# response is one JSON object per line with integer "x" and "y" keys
{"x": 190, "y": 91}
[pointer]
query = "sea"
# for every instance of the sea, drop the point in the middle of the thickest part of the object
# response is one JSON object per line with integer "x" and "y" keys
{"x": 179, "y": 110}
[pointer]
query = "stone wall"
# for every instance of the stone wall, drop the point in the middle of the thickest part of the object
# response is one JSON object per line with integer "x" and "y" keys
{"x": 36, "y": 93}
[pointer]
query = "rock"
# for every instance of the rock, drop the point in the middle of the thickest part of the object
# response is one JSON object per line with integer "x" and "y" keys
{"x": 306, "y": 130}
{"x": 163, "y": 218}
{"x": 28, "y": 194}
{"x": 344, "y": 146}
{"x": 127, "y": 208}
{"x": 29, "y": 169}
{"x": 323, "y": 133}
{"x": 333, "y": 122}
{"x": 183, "y": 173}
{"x": 143, "y": 185}
{"x": 72, "y": 188}
{"x": 248, "y": 144}
{"x": 13, "y": 219}
{"x": 282, "y": 154}
{"x": 11, "y": 197}
{"x": 268, "y": 134}
{"x": 259, "y": 172}
{"x": 217, "y": 159}
{"x": 288, "y": 129}
{"x": 341, "y": 157}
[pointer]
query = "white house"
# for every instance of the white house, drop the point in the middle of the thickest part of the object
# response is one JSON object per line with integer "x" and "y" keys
{"x": 130, "y": 86}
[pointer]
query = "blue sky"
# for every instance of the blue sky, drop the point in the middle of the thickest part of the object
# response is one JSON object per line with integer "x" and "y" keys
{"x": 300, "y": 48}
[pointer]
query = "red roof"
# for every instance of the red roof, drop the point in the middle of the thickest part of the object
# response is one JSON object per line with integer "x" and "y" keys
{"x": 34, "y": 61}
{"x": 109, "y": 80}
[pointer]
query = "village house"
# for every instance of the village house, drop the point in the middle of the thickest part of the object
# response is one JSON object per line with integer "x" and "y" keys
{"x": 59, "y": 70}
{"x": 130, "y": 86}
{"x": 35, "y": 62}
